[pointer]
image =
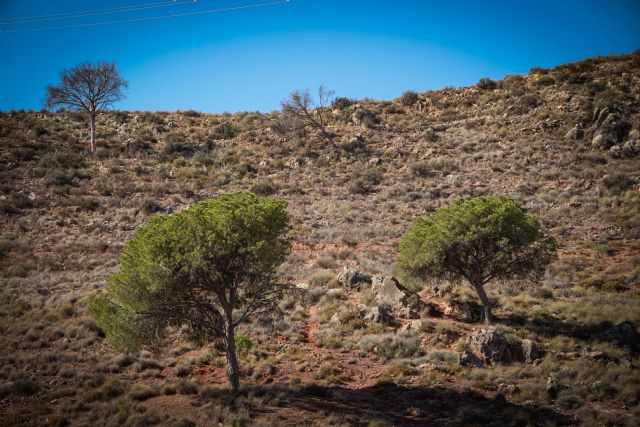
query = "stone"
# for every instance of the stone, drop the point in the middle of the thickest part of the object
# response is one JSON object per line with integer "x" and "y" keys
{"x": 467, "y": 359}
{"x": 530, "y": 350}
{"x": 414, "y": 326}
{"x": 388, "y": 291}
{"x": 351, "y": 278}
{"x": 631, "y": 148}
{"x": 381, "y": 315}
{"x": 464, "y": 311}
{"x": 510, "y": 389}
{"x": 597, "y": 355}
{"x": 553, "y": 387}
{"x": 452, "y": 179}
{"x": 493, "y": 346}
{"x": 296, "y": 163}
{"x": 575, "y": 133}
{"x": 602, "y": 141}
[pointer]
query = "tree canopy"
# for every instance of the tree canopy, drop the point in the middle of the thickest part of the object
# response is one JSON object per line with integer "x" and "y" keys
{"x": 90, "y": 87}
{"x": 481, "y": 239}
{"x": 206, "y": 269}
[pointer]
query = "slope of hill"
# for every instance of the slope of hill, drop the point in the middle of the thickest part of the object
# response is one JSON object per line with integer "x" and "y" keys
{"x": 564, "y": 142}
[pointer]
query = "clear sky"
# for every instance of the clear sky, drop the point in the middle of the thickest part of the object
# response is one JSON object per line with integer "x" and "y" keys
{"x": 250, "y": 59}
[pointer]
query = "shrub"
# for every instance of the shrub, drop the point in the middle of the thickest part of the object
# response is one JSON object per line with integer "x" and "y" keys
{"x": 341, "y": 102}
{"x": 419, "y": 169}
{"x": 265, "y": 188}
{"x": 409, "y": 98}
{"x": 243, "y": 342}
{"x": 151, "y": 206}
{"x": 486, "y": 83}
{"x": 224, "y": 131}
{"x": 142, "y": 392}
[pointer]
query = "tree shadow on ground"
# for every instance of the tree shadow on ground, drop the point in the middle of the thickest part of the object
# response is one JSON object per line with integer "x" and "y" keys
{"x": 386, "y": 403}
{"x": 623, "y": 335}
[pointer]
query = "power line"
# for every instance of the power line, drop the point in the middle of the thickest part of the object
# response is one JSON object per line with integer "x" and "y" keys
{"x": 73, "y": 15}
{"x": 151, "y": 18}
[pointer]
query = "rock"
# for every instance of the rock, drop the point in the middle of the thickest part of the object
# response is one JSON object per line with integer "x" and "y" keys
{"x": 296, "y": 163}
{"x": 602, "y": 141}
{"x": 575, "y": 133}
{"x": 553, "y": 387}
{"x": 388, "y": 291}
{"x": 597, "y": 355}
{"x": 374, "y": 161}
{"x": 631, "y": 148}
{"x": 464, "y": 311}
{"x": 452, "y": 179}
{"x": 510, "y": 389}
{"x": 467, "y": 359}
{"x": 414, "y": 326}
{"x": 530, "y": 350}
{"x": 493, "y": 346}
{"x": 352, "y": 278}
{"x": 381, "y": 315}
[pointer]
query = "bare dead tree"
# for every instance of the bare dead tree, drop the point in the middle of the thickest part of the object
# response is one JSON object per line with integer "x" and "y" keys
{"x": 301, "y": 106}
{"x": 90, "y": 87}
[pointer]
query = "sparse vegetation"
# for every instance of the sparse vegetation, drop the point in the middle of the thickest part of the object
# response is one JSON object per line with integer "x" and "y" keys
{"x": 63, "y": 234}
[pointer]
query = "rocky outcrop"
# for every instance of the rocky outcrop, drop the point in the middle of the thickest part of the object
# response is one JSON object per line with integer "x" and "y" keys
{"x": 389, "y": 292}
{"x": 352, "y": 279}
{"x": 495, "y": 346}
{"x": 575, "y": 133}
{"x": 464, "y": 311}
{"x": 467, "y": 359}
{"x": 381, "y": 315}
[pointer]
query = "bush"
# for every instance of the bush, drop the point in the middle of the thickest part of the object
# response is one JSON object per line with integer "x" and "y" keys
{"x": 151, "y": 206}
{"x": 142, "y": 392}
{"x": 409, "y": 98}
{"x": 19, "y": 388}
{"x": 224, "y": 131}
{"x": 486, "y": 83}
{"x": 419, "y": 169}
{"x": 342, "y": 102}
{"x": 243, "y": 342}
{"x": 264, "y": 188}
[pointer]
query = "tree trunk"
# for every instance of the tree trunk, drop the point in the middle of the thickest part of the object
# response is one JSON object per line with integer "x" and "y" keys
{"x": 232, "y": 359}
{"x": 486, "y": 304}
{"x": 93, "y": 131}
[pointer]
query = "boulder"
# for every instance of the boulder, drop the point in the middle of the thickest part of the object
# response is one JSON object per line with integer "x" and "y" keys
{"x": 467, "y": 359}
{"x": 380, "y": 315}
{"x": 602, "y": 141}
{"x": 553, "y": 387}
{"x": 575, "y": 133}
{"x": 388, "y": 291}
{"x": 493, "y": 346}
{"x": 351, "y": 278}
{"x": 464, "y": 311}
{"x": 413, "y": 326}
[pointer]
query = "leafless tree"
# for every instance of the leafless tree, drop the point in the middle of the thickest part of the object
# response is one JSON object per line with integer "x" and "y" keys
{"x": 301, "y": 106}
{"x": 90, "y": 87}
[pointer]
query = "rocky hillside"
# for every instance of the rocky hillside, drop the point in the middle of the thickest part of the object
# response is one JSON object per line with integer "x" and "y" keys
{"x": 564, "y": 142}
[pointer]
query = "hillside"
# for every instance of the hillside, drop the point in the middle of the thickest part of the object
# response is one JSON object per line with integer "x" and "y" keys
{"x": 564, "y": 142}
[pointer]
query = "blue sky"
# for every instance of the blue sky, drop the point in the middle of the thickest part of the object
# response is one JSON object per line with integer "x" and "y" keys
{"x": 250, "y": 59}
